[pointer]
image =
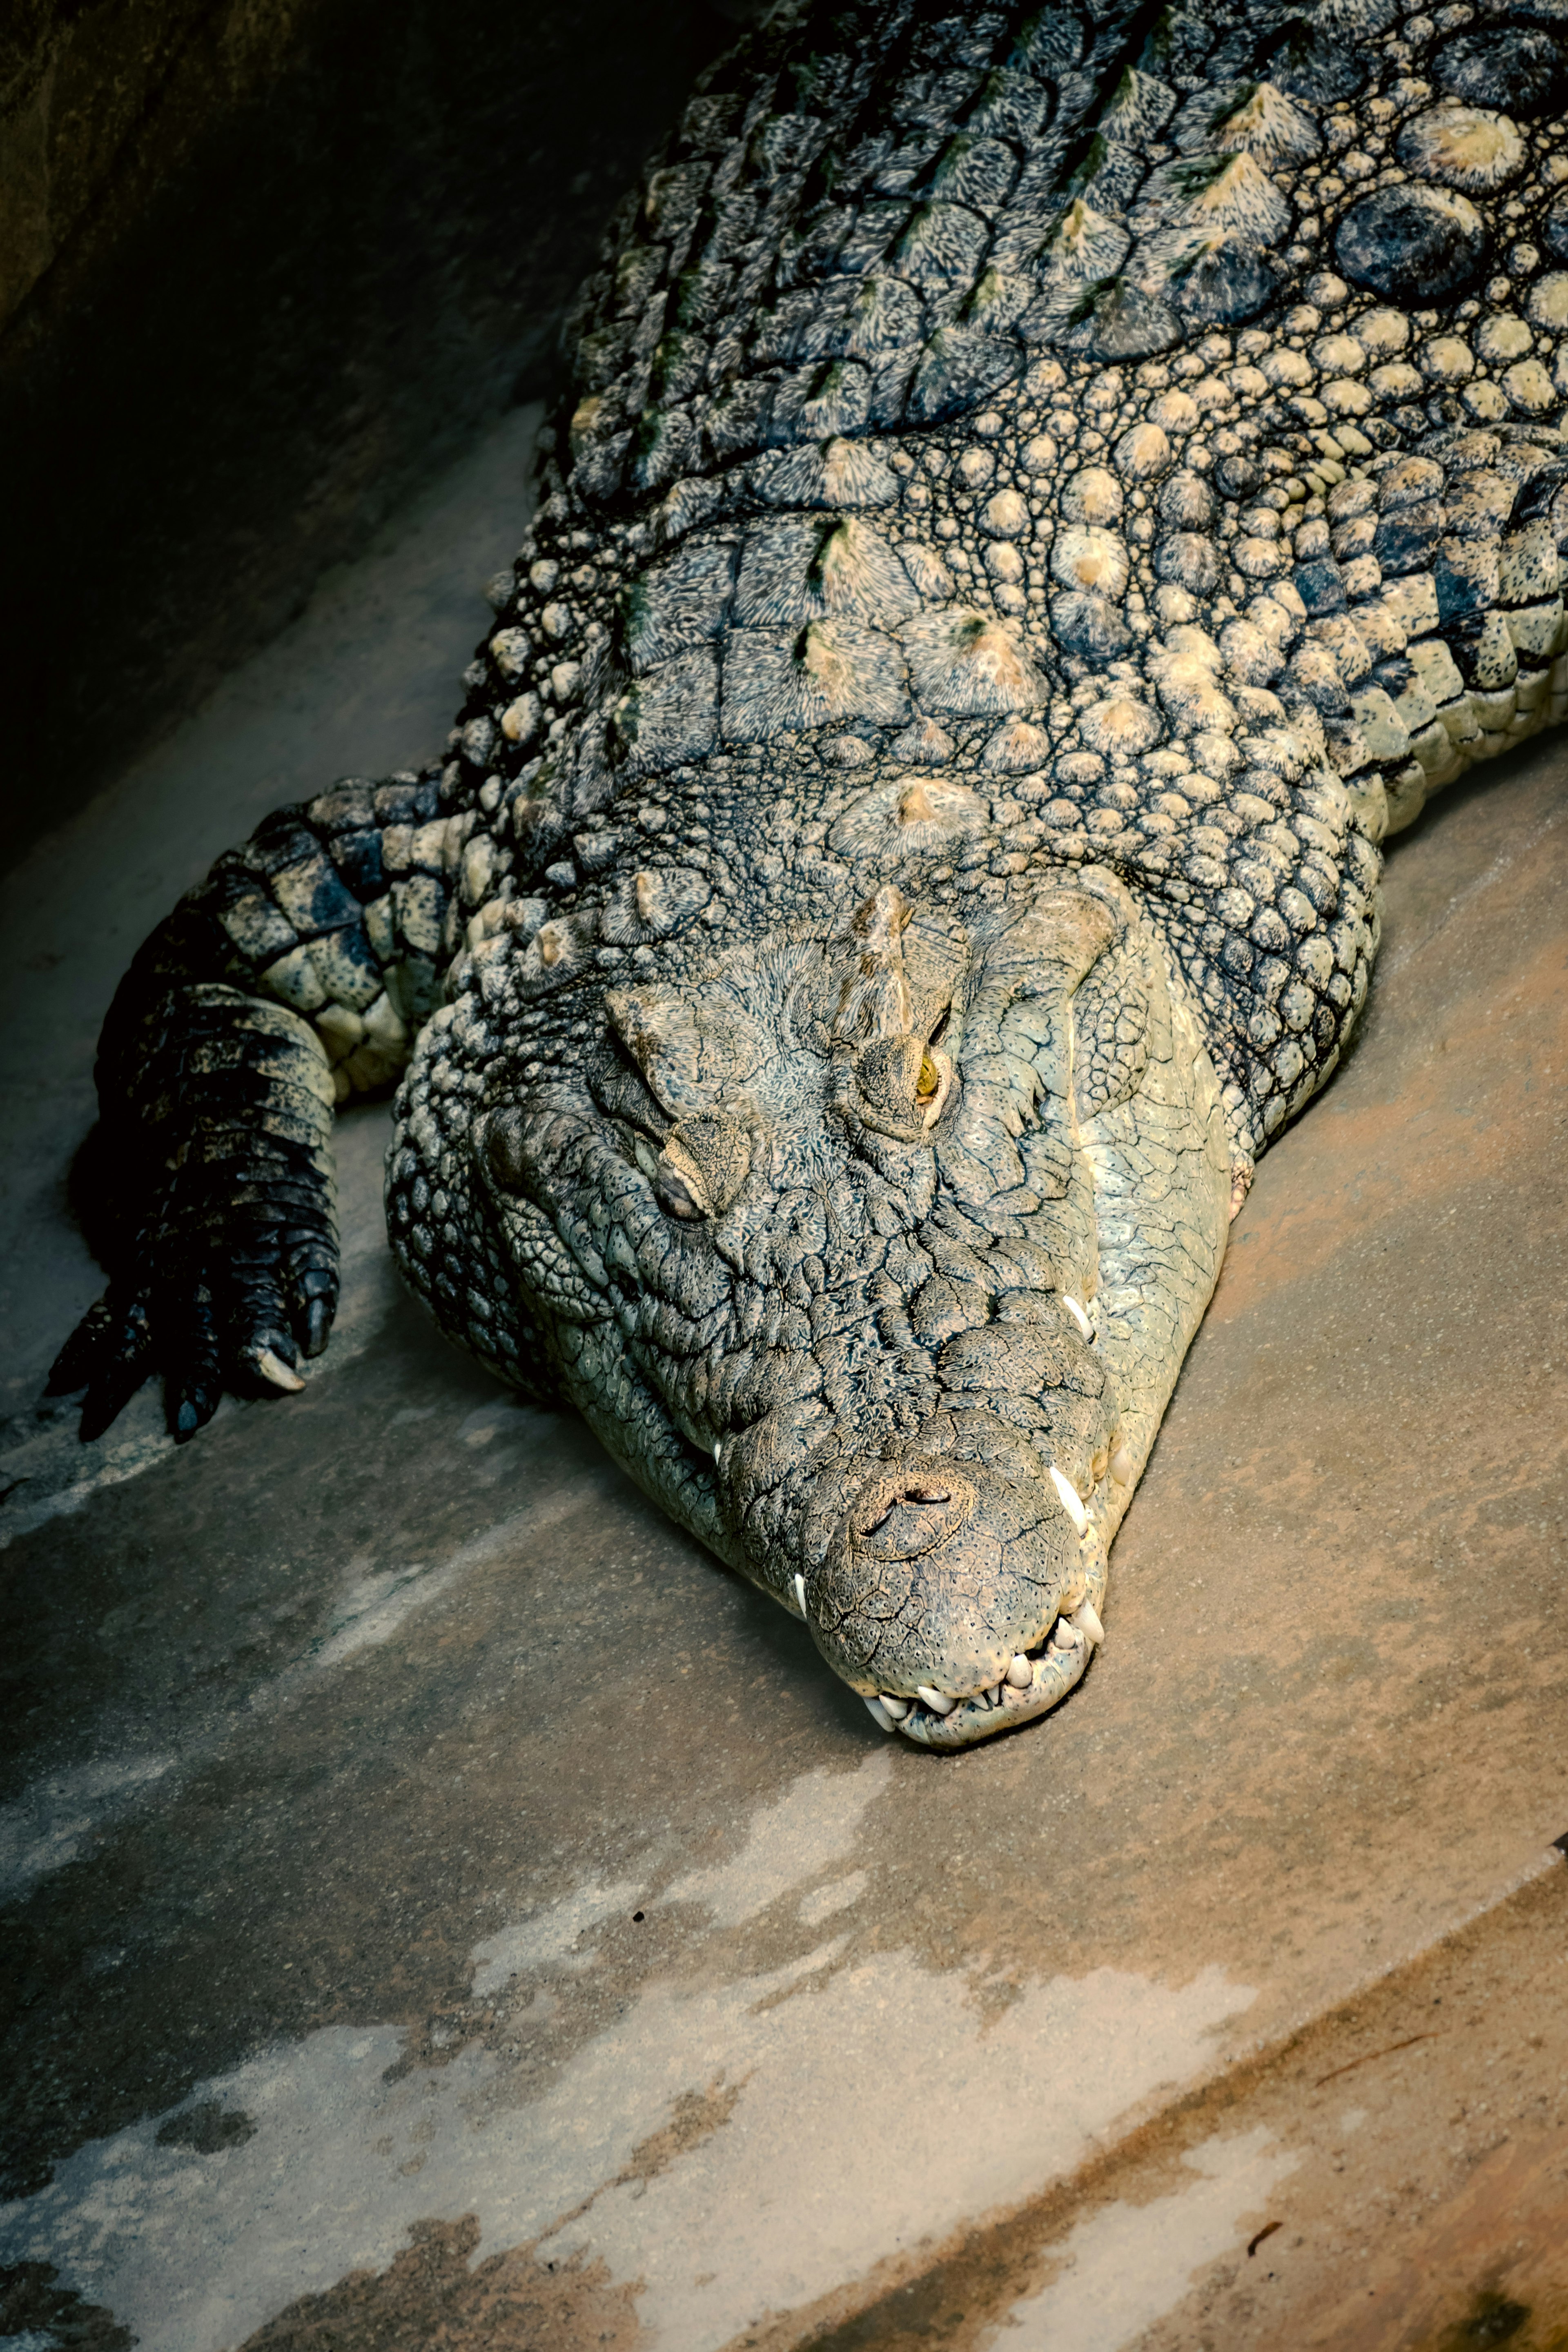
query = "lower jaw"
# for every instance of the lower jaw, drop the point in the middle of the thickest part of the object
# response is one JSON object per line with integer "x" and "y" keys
{"x": 1003, "y": 1707}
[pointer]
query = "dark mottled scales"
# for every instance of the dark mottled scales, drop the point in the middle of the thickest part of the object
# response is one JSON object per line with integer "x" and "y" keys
{"x": 1044, "y": 494}
{"x": 1519, "y": 67}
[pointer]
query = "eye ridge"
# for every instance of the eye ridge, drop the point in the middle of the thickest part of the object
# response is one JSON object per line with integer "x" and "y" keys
{"x": 625, "y": 1068}
{"x": 624, "y": 1095}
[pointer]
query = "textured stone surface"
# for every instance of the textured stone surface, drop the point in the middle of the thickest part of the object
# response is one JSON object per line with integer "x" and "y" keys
{"x": 386, "y": 1776}
{"x": 263, "y": 267}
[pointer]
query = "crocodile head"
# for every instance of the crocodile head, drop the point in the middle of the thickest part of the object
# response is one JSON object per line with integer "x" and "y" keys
{"x": 873, "y": 1252}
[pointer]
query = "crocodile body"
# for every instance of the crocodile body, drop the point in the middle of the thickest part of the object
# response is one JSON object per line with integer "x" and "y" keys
{"x": 1045, "y": 493}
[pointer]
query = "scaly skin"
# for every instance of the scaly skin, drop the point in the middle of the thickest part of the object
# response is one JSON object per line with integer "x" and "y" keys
{"x": 1020, "y": 540}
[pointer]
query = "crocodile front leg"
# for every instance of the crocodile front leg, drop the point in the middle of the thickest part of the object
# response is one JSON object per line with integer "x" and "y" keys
{"x": 293, "y": 977}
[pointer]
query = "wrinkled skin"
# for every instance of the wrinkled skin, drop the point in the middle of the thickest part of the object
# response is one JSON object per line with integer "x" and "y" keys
{"x": 820, "y": 1312}
{"x": 1018, "y": 541}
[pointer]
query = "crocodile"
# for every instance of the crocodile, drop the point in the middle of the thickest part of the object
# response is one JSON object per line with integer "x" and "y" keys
{"x": 1043, "y": 494}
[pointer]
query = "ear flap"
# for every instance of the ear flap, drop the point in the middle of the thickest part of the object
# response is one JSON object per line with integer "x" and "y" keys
{"x": 1059, "y": 938}
{"x": 1110, "y": 1024}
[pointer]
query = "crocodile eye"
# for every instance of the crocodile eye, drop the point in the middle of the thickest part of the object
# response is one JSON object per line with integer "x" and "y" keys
{"x": 900, "y": 1076}
{"x": 935, "y": 1073}
{"x": 933, "y": 1086}
{"x": 680, "y": 1189}
{"x": 704, "y": 1163}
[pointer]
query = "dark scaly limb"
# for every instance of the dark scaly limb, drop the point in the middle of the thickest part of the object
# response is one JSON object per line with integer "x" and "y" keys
{"x": 293, "y": 977}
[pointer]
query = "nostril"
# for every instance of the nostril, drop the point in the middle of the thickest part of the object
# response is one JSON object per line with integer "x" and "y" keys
{"x": 899, "y": 1518}
{"x": 918, "y": 1495}
{"x": 902, "y": 1532}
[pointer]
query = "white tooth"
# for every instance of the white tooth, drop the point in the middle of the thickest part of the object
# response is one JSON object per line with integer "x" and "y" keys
{"x": 1079, "y": 1317}
{"x": 1065, "y": 1634}
{"x": 937, "y": 1701}
{"x": 897, "y": 1707}
{"x": 1086, "y": 1617}
{"x": 1121, "y": 1466}
{"x": 272, "y": 1368}
{"x": 718, "y": 1449}
{"x": 878, "y": 1713}
{"x": 800, "y": 1593}
{"x": 1020, "y": 1673}
{"x": 994, "y": 1695}
{"x": 1070, "y": 1500}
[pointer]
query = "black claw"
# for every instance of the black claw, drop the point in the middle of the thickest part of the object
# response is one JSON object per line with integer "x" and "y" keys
{"x": 107, "y": 1398}
{"x": 75, "y": 1365}
{"x": 318, "y": 1324}
{"x": 192, "y": 1409}
{"x": 116, "y": 1357}
{"x": 195, "y": 1385}
{"x": 247, "y": 1378}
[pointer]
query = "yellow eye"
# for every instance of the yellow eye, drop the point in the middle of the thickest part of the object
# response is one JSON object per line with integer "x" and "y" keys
{"x": 930, "y": 1079}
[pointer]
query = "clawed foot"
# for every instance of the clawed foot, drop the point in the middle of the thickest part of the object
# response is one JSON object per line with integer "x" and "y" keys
{"x": 244, "y": 1326}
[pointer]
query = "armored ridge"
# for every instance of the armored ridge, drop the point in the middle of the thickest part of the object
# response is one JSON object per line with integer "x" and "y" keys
{"x": 1023, "y": 537}
{"x": 1206, "y": 518}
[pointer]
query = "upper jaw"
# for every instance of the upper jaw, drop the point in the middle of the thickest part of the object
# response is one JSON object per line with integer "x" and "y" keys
{"x": 983, "y": 1621}
{"x": 1055, "y": 1666}
{"x": 953, "y": 1581}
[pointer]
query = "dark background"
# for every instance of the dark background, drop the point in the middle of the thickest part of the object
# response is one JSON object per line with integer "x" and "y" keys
{"x": 265, "y": 265}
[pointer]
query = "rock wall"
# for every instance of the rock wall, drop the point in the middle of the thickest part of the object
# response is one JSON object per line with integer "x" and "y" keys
{"x": 263, "y": 265}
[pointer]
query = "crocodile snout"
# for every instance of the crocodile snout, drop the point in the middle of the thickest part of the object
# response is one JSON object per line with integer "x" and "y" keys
{"x": 949, "y": 1578}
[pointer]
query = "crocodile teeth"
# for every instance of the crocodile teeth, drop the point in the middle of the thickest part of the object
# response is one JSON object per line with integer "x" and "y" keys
{"x": 718, "y": 1448}
{"x": 897, "y": 1707}
{"x": 1065, "y": 1634}
{"x": 1079, "y": 1317}
{"x": 1020, "y": 1673}
{"x": 800, "y": 1593}
{"x": 878, "y": 1713}
{"x": 1070, "y": 1500}
{"x": 1086, "y": 1617}
{"x": 937, "y": 1701}
{"x": 1121, "y": 1466}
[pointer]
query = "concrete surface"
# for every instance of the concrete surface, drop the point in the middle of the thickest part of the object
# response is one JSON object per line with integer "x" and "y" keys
{"x": 446, "y": 1906}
